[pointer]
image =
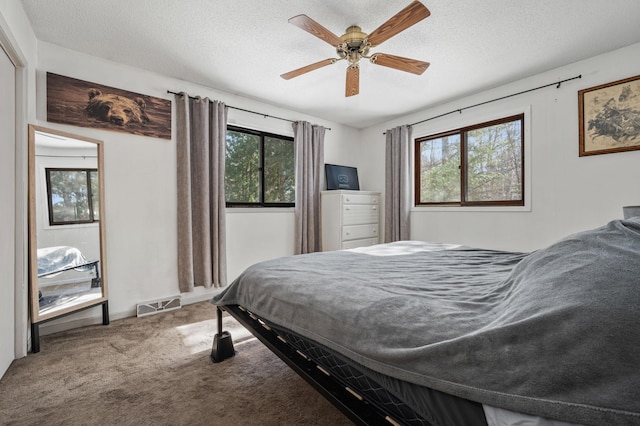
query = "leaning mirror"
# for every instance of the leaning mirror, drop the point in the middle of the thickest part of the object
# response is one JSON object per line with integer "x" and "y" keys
{"x": 66, "y": 227}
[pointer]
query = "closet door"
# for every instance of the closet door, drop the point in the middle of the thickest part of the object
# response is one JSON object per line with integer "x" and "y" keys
{"x": 7, "y": 210}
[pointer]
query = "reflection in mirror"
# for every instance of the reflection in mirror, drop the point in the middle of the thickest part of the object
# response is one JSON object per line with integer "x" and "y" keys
{"x": 66, "y": 229}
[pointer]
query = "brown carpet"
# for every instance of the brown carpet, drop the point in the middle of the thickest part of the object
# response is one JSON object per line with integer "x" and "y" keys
{"x": 156, "y": 370}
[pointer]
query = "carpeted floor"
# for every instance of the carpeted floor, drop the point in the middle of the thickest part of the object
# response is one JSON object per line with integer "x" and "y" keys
{"x": 156, "y": 370}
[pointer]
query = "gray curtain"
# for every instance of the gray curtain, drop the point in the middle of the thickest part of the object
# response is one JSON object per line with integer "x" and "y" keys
{"x": 201, "y": 144}
{"x": 397, "y": 206}
{"x": 309, "y": 148}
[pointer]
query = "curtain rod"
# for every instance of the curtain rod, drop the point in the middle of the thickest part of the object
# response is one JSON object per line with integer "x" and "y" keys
{"x": 252, "y": 112}
{"x": 459, "y": 110}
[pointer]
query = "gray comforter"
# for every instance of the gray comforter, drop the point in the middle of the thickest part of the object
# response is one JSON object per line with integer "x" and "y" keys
{"x": 555, "y": 333}
{"x": 52, "y": 260}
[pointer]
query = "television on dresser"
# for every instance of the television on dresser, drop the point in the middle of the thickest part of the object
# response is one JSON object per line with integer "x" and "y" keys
{"x": 341, "y": 177}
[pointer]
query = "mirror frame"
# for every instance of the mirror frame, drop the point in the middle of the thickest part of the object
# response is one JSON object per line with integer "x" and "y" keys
{"x": 34, "y": 304}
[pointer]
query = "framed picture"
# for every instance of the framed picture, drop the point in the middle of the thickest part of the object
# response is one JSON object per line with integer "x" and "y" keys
{"x": 81, "y": 103}
{"x": 609, "y": 117}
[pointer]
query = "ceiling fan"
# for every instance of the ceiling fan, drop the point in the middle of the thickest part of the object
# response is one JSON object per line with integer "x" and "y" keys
{"x": 354, "y": 45}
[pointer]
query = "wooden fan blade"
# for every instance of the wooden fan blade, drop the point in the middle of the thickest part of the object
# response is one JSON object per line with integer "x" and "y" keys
{"x": 353, "y": 80}
{"x": 398, "y": 62}
{"x": 308, "y": 68}
{"x": 408, "y": 16}
{"x": 313, "y": 28}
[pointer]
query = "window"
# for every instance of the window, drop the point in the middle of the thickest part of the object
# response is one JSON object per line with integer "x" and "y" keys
{"x": 72, "y": 196}
{"x": 260, "y": 169}
{"x": 480, "y": 165}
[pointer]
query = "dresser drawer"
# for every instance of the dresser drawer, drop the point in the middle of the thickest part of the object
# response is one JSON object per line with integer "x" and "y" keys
{"x": 350, "y": 219}
{"x": 358, "y": 243}
{"x": 356, "y": 232}
{"x": 358, "y": 214}
{"x": 360, "y": 199}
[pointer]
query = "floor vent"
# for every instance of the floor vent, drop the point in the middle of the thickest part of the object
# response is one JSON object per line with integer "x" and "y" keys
{"x": 162, "y": 305}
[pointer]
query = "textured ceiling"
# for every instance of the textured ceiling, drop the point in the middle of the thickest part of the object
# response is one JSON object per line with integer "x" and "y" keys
{"x": 242, "y": 46}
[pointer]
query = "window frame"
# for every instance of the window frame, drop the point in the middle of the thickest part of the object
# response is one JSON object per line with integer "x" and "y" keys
{"x": 262, "y": 135}
{"x": 90, "y": 196}
{"x": 462, "y": 132}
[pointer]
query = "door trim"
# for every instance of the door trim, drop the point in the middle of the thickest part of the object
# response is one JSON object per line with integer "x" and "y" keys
{"x": 21, "y": 310}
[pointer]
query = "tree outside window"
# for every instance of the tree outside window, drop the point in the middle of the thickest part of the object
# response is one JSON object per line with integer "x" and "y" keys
{"x": 476, "y": 165}
{"x": 72, "y": 196}
{"x": 260, "y": 169}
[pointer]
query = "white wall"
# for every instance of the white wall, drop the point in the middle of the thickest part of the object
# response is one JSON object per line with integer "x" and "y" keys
{"x": 568, "y": 193}
{"x": 140, "y": 182}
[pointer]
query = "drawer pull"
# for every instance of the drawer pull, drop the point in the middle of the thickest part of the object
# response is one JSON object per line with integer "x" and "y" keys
{"x": 374, "y": 208}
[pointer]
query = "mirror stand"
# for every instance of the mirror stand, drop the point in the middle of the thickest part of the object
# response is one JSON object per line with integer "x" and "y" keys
{"x": 35, "y": 326}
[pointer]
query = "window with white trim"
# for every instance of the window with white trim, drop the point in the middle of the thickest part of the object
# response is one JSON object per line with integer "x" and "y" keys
{"x": 479, "y": 165}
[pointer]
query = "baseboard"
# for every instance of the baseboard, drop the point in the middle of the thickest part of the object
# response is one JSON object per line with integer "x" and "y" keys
{"x": 200, "y": 294}
{"x": 69, "y": 322}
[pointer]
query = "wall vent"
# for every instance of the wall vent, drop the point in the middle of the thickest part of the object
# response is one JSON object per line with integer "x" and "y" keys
{"x": 160, "y": 305}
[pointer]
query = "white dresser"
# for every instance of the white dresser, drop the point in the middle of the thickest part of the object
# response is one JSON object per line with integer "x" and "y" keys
{"x": 350, "y": 219}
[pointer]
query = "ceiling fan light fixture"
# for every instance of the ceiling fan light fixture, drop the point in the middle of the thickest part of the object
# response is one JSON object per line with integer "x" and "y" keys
{"x": 354, "y": 45}
{"x": 354, "y": 57}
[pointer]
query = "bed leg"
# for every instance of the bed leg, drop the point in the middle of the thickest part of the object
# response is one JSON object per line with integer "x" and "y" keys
{"x": 222, "y": 343}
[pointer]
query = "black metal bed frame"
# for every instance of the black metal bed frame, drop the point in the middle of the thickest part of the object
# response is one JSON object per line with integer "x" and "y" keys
{"x": 356, "y": 406}
{"x": 95, "y": 282}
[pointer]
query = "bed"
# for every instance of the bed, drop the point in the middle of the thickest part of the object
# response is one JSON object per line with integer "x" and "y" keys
{"x": 67, "y": 282}
{"x": 62, "y": 265}
{"x": 421, "y": 333}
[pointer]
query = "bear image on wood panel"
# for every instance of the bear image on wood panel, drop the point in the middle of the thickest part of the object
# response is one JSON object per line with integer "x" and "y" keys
{"x": 86, "y": 104}
{"x": 116, "y": 109}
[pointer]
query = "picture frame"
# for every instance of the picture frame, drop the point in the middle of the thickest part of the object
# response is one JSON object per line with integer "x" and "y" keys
{"x": 86, "y": 104}
{"x": 609, "y": 117}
